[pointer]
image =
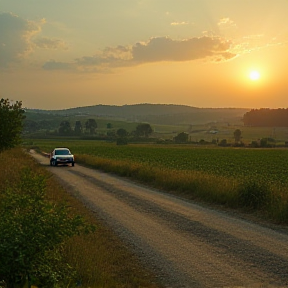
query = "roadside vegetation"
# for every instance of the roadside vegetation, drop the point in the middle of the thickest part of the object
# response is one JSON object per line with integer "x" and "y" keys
{"x": 96, "y": 259}
{"x": 254, "y": 180}
{"x": 47, "y": 236}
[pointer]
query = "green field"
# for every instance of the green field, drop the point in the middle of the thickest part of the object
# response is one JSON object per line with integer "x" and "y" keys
{"x": 270, "y": 165}
{"x": 238, "y": 178}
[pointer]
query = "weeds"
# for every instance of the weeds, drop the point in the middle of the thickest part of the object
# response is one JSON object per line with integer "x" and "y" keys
{"x": 254, "y": 194}
{"x": 228, "y": 191}
{"x": 238, "y": 178}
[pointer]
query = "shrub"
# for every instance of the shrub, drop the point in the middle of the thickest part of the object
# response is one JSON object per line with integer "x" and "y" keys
{"x": 33, "y": 231}
{"x": 253, "y": 194}
{"x": 121, "y": 141}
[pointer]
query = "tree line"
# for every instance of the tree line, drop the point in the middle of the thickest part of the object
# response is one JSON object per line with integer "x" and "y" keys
{"x": 266, "y": 117}
{"x": 90, "y": 127}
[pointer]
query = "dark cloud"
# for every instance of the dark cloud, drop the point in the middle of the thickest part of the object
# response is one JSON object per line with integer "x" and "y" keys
{"x": 15, "y": 38}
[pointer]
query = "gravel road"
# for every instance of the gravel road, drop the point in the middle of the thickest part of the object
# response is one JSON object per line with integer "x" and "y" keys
{"x": 186, "y": 245}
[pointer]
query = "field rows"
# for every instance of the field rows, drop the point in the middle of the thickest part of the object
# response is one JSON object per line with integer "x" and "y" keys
{"x": 270, "y": 165}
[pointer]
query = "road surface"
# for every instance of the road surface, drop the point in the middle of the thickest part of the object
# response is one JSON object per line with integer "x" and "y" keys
{"x": 186, "y": 245}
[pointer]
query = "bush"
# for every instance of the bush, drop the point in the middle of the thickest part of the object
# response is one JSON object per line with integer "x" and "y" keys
{"x": 121, "y": 141}
{"x": 33, "y": 231}
{"x": 254, "y": 194}
{"x": 223, "y": 143}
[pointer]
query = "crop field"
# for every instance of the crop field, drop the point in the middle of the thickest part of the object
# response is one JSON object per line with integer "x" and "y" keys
{"x": 270, "y": 165}
{"x": 239, "y": 178}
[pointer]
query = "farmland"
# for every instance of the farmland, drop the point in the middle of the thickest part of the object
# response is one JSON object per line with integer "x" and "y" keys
{"x": 238, "y": 178}
{"x": 270, "y": 165}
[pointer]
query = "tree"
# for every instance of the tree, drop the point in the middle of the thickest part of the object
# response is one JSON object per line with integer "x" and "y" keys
{"x": 78, "y": 128}
{"x": 30, "y": 126}
{"x": 237, "y": 135}
{"x": 122, "y": 141}
{"x": 181, "y": 138}
{"x": 91, "y": 126}
{"x": 33, "y": 231}
{"x": 266, "y": 117}
{"x": 143, "y": 130}
{"x": 122, "y": 132}
{"x": 65, "y": 128}
{"x": 223, "y": 142}
{"x": 11, "y": 123}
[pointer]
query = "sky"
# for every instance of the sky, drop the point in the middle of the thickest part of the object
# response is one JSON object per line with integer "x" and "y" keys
{"x": 201, "y": 53}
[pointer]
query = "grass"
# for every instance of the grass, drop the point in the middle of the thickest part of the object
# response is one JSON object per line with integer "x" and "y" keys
{"x": 250, "y": 179}
{"x": 101, "y": 259}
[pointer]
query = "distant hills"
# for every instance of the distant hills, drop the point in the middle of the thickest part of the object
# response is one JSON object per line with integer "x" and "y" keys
{"x": 163, "y": 114}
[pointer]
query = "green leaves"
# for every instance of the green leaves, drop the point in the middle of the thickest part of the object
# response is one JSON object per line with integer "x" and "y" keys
{"x": 33, "y": 231}
{"x": 144, "y": 130}
{"x": 11, "y": 116}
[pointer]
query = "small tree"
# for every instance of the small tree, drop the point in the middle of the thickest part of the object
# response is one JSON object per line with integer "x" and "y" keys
{"x": 144, "y": 130}
{"x": 78, "y": 128}
{"x": 122, "y": 132}
{"x": 11, "y": 122}
{"x": 237, "y": 135}
{"x": 30, "y": 126}
{"x": 223, "y": 143}
{"x": 65, "y": 128}
{"x": 121, "y": 141}
{"x": 181, "y": 138}
{"x": 91, "y": 126}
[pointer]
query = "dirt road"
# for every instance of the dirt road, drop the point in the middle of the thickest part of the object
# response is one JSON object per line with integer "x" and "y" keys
{"x": 185, "y": 244}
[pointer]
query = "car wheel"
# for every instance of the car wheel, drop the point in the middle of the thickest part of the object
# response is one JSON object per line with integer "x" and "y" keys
{"x": 54, "y": 162}
{"x": 73, "y": 164}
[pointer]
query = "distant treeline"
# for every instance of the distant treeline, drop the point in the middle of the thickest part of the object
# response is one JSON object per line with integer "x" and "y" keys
{"x": 266, "y": 117}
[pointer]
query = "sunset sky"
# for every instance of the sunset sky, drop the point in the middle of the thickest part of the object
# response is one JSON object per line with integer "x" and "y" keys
{"x": 202, "y": 53}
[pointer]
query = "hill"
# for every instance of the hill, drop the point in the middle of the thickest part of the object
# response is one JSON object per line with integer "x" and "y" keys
{"x": 162, "y": 114}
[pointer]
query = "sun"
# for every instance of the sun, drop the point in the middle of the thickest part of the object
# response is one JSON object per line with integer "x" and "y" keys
{"x": 254, "y": 75}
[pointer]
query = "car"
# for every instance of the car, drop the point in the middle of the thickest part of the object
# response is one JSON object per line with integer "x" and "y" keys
{"x": 61, "y": 156}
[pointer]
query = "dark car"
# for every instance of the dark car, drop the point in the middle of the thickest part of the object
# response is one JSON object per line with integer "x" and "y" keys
{"x": 61, "y": 156}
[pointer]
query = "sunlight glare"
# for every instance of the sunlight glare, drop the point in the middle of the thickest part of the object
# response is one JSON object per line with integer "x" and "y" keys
{"x": 254, "y": 75}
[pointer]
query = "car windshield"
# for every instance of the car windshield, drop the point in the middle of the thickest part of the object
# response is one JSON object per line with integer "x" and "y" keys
{"x": 62, "y": 152}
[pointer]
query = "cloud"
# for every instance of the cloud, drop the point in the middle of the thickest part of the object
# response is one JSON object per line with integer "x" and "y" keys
{"x": 166, "y": 49}
{"x": 15, "y": 39}
{"x": 18, "y": 40}
{"x": 47, "y": 43}
{"x": 54, "y": 65}
{"x": 226, "y": 22}
{"x": 179, "y": 23}
{"x": 154, "y": 50}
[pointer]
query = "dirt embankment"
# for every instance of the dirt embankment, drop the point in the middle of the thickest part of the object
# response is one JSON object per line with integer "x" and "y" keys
{"x": 185, "y": 244}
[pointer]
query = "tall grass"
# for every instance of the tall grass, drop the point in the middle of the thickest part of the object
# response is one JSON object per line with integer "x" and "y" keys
{"x": 270, "y": 200}
{"x": 100, "y": 258}
{"x": 250, "y": 179}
